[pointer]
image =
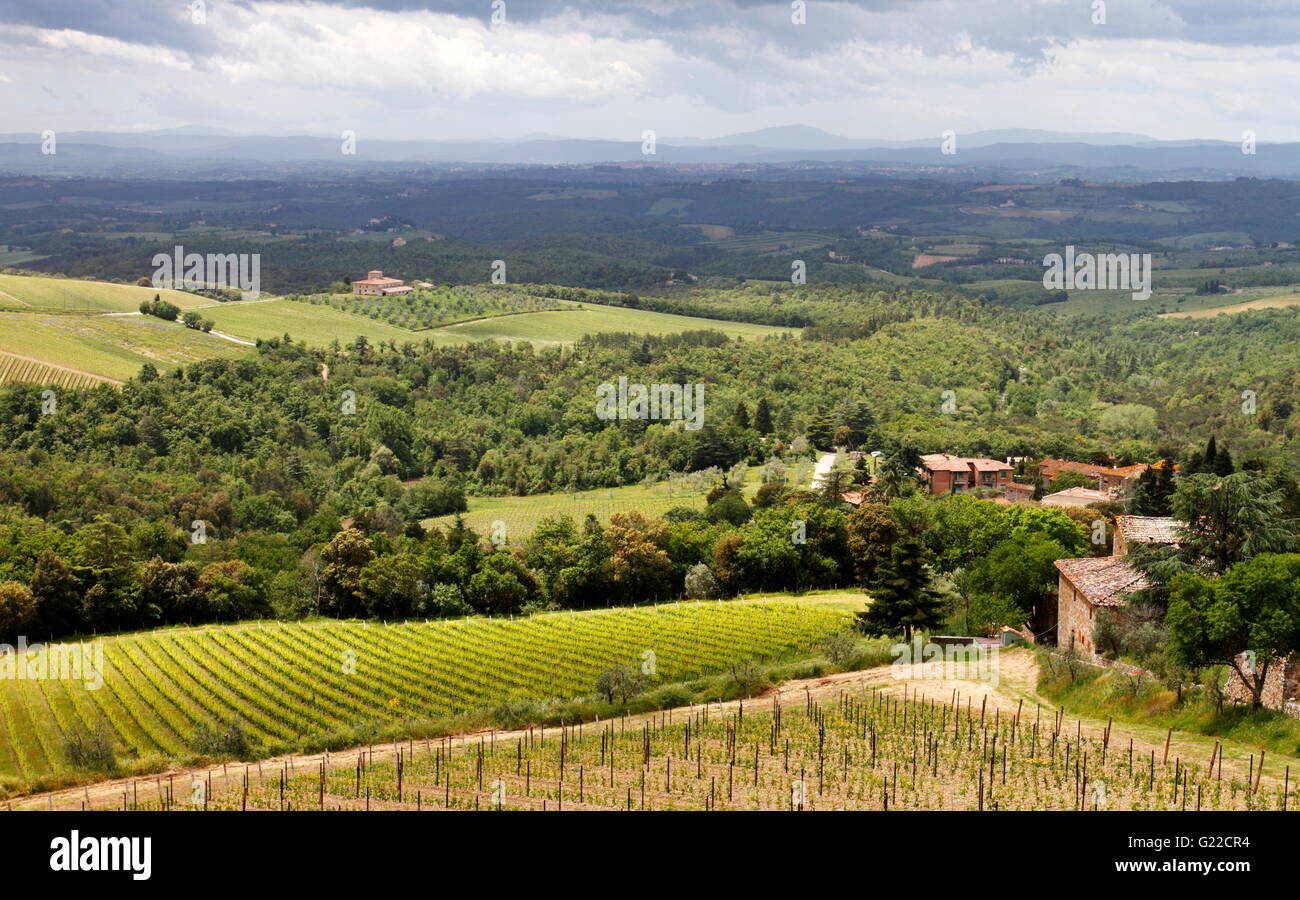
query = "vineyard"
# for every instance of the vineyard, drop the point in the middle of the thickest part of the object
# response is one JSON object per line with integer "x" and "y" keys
{"x": 15, "y": 368}
{"x": 858, "y": 748}
{"x": 309, "y": 684}
{"x": 431, "y": 307}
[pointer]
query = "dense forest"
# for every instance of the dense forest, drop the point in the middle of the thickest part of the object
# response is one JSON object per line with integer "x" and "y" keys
{"x": 252, "y": 487}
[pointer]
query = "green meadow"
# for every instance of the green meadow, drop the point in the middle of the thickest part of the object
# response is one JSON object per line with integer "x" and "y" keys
{"x": 72, "y": 295}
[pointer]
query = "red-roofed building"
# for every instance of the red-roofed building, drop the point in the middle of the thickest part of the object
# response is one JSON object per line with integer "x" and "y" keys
{"x": 948, "y": 474}
{"x": 1119, "y": 479}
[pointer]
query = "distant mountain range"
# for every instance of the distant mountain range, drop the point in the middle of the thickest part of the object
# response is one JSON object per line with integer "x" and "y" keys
{"x": 1107, "y": 154}
{"x": 804, "y": 137}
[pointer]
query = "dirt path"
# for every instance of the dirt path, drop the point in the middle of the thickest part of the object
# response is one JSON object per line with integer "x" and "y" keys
{"x": 232, "y": 338}
{"x": 1013, "y": 689}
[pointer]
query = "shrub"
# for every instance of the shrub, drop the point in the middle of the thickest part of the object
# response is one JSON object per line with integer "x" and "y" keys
{"x": 90, "y": 751}
{"x": 701, "y": 584}
{"x": 222, "y": 739}
{"x": 769, "y": 494}
{"x": 747, "y": 675}
{"x": 446, "y": 601}
{"x": 841, "y": 647}
{"x": 621, "y": 682}
{"x": 670, "y": 696}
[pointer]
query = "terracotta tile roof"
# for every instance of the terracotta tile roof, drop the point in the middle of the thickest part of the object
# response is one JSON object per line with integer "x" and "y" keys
{"x": 1050, "y": 468}
{"x": 1102, "y": 580}
{"x": 943, "y": 462}
{"x": 946, "y": 462}
{"x": 1149, "y": 529}
{"x": 1080, "y": 493}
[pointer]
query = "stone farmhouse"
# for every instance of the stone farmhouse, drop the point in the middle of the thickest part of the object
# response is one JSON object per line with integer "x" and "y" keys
{"x": 1085, "y": 586}
{"x": 1089, "y": 584}
{"x": 377, "y": 284}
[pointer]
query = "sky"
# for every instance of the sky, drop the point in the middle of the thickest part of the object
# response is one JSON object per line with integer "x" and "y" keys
{"x": 887, "y": 69}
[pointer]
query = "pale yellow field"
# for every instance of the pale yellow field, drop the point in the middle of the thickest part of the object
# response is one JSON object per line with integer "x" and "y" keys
{"x": 1278, "y": 302}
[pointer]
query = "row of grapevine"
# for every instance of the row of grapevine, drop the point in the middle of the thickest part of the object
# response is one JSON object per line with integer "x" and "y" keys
{"x": 15, "y": 368}
{"x": 854, "y": 747}
{"x": 290, "y": 681}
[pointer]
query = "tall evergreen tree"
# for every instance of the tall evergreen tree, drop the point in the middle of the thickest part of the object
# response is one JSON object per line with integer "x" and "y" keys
{"x": 1154, "y": 488}
{"x": 741, "y": 416}
{"x": 821, "y": 431}
{"x": 1223, "y": 464}
{"x": 763, "y": 418}
{"x": 901, "y": 597}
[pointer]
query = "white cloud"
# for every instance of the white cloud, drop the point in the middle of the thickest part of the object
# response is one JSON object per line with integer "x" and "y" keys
{"x": 893, "y": 72}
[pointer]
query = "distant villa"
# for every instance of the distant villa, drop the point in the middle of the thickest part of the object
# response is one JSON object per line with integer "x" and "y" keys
{"x": 376, "y": 283}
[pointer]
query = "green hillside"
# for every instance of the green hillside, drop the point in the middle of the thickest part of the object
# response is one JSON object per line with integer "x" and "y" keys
{"x": 318, "y": 324}
{"x": 108, "y": 346}
{"x": 72, "y": 295}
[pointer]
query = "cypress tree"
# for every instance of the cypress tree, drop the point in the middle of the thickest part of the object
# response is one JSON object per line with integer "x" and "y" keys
{"x": 763, "y": 418}
{"x": 741, "y": 416}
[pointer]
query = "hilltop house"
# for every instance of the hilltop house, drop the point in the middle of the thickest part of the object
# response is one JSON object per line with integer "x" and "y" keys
{"x": 377, "y": 284}
{"x": 948, "y": 474}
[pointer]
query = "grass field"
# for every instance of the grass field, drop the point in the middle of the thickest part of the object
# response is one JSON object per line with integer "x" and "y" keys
{"x": 563, "y": 327}
{"x": 314, "y": 325}
{"x": 303, "y": 684}
{"x": 17, "y": 257}
{"x": 66, "y": 294}
{"x": 111, "y": 346}
{"x": 521, "y": 514}
{"x": 319, "y": 325}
